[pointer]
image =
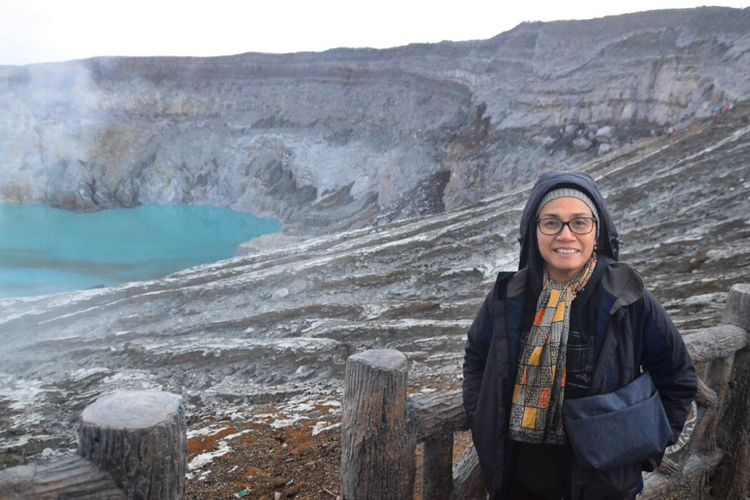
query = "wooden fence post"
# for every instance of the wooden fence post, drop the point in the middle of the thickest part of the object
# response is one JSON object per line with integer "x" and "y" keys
{"x": 737, "y": 311}
{"x": 377, "y": 446}
{"x": 717, "y": 376}
{"x": 732, "y": 477}
{"x": 437, "y": 480}
{"x": 139, "y": 437}
{"x": 467, "y": 481}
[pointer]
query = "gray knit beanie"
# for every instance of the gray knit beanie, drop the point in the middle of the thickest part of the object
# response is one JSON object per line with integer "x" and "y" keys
{"x": 571, "y": 193}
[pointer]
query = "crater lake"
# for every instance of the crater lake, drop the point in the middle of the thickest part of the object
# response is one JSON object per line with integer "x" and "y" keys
{"x": 46, "y": 250}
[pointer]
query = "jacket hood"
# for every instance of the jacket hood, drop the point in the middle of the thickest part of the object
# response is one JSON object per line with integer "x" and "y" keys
{"x": 608, "y": 243}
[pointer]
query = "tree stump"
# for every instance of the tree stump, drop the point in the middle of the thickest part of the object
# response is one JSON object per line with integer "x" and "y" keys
{"x": 377, "y": 446}
{"x": 139, "y": 437}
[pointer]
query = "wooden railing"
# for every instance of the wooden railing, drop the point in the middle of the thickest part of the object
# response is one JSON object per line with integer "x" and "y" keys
{"x": 381, "y": 426}
{"x": 132, "y": 444}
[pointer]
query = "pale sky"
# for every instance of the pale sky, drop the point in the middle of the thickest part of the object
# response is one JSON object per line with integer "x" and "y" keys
{"x": 55, "y": 30}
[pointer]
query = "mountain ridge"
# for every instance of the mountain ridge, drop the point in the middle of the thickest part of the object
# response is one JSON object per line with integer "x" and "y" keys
{"x": 350, "y": 137}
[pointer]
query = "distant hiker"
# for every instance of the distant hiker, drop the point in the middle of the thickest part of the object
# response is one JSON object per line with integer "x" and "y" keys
{"x": 565, "y": 357}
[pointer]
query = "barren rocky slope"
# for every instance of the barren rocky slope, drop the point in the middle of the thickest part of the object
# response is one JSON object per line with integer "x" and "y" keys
{"x": 346, "y": 137}
{"x": 278, "y": 325}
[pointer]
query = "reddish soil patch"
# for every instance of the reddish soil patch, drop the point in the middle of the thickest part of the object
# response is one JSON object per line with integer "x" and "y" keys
{"x": 290, "y": 462}
{"x": 267, "y": 463}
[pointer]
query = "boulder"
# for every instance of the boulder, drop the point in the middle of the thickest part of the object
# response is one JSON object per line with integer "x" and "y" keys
{"x": 605, "y": 134}
{"x": 582, "y": 144}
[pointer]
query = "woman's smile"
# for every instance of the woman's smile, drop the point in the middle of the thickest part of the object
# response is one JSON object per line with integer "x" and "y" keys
{"x": 565, "y": 252}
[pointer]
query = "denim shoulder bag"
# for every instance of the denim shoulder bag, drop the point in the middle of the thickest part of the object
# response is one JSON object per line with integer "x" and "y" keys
{"x": 618, "y": 428}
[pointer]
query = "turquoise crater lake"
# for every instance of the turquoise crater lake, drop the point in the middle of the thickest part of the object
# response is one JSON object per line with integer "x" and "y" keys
{"x": 46, "y": 250}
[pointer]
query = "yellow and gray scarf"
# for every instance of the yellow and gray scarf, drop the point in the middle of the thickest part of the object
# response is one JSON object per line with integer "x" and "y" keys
{"x": 536, "y": 414}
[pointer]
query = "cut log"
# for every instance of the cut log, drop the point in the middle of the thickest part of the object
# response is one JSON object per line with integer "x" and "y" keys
{"x": 715, "y": 342}
{"x": 139, "y": 437}
{"x": 436, "y": 413}
{"x": 65, "y": 477}
{"x": 377, "y": 447}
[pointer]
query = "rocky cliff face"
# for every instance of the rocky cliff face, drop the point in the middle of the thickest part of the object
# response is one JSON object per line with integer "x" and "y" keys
{"x": 346, "y": 138}
{"x": 279, "y": 324}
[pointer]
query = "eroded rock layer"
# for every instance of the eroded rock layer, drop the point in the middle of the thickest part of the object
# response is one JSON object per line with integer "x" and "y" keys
{"x": 343, "y": 138}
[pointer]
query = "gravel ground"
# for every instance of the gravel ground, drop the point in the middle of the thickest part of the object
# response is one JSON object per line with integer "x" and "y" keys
{"x": 275, "y": 457}
{"x": 267, "y": 462}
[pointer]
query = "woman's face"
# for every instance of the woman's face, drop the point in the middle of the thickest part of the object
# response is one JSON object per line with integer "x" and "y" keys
{"x": 565, "y": 252}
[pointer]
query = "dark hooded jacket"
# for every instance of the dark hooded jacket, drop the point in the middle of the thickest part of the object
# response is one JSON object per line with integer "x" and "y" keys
{"x": 632, "y": 333}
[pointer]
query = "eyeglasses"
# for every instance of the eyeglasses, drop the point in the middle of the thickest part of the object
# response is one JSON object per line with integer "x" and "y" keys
{"x": 579, "y": 225}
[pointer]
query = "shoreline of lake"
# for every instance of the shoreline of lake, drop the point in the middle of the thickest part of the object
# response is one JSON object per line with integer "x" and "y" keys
{"x": 47, "y": 250}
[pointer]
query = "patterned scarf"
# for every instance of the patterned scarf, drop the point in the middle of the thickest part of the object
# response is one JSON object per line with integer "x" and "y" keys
{"x": 536, "y": 411}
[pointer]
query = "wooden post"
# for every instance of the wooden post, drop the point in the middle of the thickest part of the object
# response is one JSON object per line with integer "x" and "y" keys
{"x": 139, "y": 437}
{"x": 437, "y": 480}
{"x": 467, "y": 477}
{"x": 732, "y": 477}
{"x": 718, "y": 373}
{"x": 737, "y": 311}
{"x": 377, "y": 446}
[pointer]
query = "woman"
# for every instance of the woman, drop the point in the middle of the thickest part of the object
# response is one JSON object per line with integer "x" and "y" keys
{"x": 571, "y": 323}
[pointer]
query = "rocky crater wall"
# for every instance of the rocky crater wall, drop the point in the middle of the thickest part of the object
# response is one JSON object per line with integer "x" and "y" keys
{"x": 347, "y": 138}
{"x": 279, "y": 323}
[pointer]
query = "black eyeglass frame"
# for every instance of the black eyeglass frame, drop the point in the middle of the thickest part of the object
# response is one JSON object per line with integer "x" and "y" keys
{"x": 567, "y": 223}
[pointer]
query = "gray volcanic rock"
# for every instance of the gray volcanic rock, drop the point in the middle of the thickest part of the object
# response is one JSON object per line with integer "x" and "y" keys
{"x": 582, "y": 144}
{"x": 605, "y": 134}
{"x": 347, "y": 137}
{"x": 278, "y": 324}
